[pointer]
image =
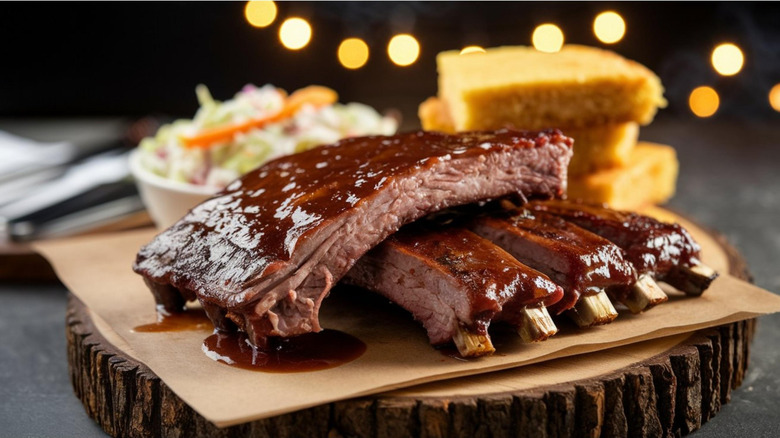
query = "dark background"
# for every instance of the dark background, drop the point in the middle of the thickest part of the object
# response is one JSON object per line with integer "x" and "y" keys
{"x": 132, "y": 59}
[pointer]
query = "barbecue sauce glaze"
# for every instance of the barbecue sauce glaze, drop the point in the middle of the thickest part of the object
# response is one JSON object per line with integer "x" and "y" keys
{"x": 355, "y": 167}
{"x": 247, "y": 250}
{"x": 233, "y": 237}
{"x": 650, "y": 245}
{"x": 493, "y": 280}
{"x": 583, "y": 263}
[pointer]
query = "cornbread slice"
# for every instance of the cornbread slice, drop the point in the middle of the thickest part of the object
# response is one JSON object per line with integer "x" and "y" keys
{"x": 648, "y": 178}
{"x": 602, "y": 147}
{"x": 595, "y": 148}
{"x": 576, "y": 87}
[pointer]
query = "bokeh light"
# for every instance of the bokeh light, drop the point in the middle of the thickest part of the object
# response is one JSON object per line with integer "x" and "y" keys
{"x": 471, "y": 49}
{"x": 704, "y": 101}
{"x": 727, "y": 59}
{"x": 353, "y": 53}
{"x": 547, "y": 38}
{"x": 403, "y": 49}
{"x": 609, "y": 27}
{"x": 295, "y": 33}
{"x": 774, "y": 97}
{"x": 260, "y": 13}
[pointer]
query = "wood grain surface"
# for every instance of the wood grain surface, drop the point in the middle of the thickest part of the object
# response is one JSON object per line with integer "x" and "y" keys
{"x": 671, "y": 394}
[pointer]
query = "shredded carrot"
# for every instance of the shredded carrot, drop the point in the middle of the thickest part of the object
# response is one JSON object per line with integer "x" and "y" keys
{"x": 315, "y": 95}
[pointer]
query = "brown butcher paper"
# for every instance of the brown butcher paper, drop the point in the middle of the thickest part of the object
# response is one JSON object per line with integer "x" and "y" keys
{"x": 97, "y": 269}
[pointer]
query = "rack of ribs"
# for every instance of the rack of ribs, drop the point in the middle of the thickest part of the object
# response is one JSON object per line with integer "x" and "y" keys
{"x": 262, "y": 255}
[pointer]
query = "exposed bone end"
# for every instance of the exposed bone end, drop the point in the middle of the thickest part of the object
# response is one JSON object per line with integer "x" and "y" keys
{"x": 699, "y": 277}
{"x": 472, "y": 345}
{"x": 693, "y": 280}
{"x": 594, "y": 309}
{"x": 537, "y": 325}
{"x": 644, "y": 295}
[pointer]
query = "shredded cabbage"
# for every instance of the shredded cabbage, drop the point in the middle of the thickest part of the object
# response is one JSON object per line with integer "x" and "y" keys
{"x": 219, "y": 164}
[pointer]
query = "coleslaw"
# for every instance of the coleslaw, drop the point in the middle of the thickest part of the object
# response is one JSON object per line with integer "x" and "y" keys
{"x": 256, "y": 126}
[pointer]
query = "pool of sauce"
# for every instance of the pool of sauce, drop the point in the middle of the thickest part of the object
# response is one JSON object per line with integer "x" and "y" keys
{"x": 190, "y": 319}
{"x": 309, "y": 352}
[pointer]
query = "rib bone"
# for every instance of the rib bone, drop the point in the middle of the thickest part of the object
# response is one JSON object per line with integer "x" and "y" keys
{"x": 644, "y": 295}
{"x": 693, "y": 280}
{"x": 594, "y": 309}
{"x": 472, "y": 345}
{"x": 537, "y": 325}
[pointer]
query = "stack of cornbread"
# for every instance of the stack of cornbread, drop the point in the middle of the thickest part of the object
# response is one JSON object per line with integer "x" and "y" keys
{"x": 594, "y": 96}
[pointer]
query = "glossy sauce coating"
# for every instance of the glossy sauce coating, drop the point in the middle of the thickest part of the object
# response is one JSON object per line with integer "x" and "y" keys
{"x": 189, "y": 319}
{"x": 650, "y": 245}
{"x": 579, "y": 261}
{"x": 310, "y": 187}
{"x": 252, "y": 228}
{"x": 490, "y": 275}
{"x": 309, "y": 352}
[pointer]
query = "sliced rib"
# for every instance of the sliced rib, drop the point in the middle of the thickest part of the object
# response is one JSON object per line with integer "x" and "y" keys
{"x": 455, "y": 283}
{"x": 585, "y": 265}
{"x": 664, "y": 251}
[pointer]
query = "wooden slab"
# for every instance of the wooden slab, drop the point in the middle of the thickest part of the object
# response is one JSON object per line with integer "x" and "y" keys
{"x": 672, "y": 393}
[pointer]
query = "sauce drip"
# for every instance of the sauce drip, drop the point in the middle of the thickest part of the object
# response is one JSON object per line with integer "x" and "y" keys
{"x": 308, "y": 352}
{"x": 190, "y": 319}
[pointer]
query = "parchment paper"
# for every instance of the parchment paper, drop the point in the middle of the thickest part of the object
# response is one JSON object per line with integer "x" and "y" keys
{"x": 97, "y": 269}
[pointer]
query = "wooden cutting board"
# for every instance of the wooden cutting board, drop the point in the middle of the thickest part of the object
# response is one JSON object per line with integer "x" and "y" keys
{"x": 672, "y": 387}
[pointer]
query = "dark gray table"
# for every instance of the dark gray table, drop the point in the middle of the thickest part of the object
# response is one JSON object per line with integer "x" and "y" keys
{"x": 730, "y": 181}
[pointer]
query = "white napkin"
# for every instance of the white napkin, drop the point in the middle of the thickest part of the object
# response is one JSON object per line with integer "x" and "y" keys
{"x": 20, "y": 155}
{"x": 103, "y": 168}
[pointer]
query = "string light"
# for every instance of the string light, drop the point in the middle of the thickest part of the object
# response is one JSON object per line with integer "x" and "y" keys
{"x": 260, "y": 13}
{"x": 403, "y": 49}
{"x": 727, "y": 59}
{"x": 471, "y": 49}
{"x": 774, "y": 97}
{"x": 547, "y": 38}
{"x": 353, "y": 53}
{"x": 704, "y": 101}
{"x": 295, "y": 33}
{"x": 609, "y": 27}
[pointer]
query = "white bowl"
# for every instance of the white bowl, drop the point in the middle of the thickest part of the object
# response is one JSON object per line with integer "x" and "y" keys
{"x": 167, "y": 201}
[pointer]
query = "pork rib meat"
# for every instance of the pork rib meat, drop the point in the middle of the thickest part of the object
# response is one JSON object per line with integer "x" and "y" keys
{"x": 263, "y": 253}
{"x": 450, "y": 279}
